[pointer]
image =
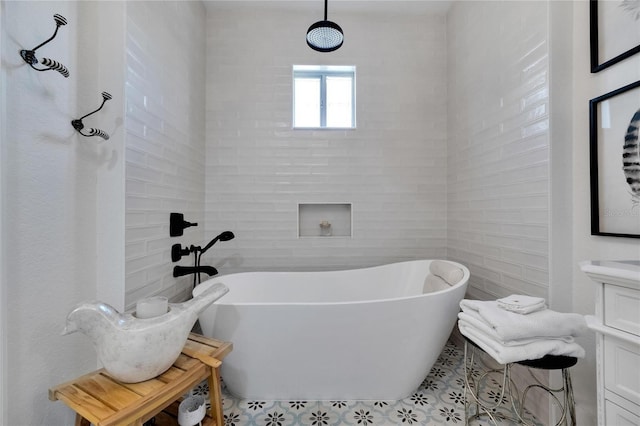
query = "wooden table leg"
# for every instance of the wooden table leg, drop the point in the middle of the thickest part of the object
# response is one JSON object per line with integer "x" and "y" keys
{"x": 215, "y": 395}
{"x": 81, "y": 421}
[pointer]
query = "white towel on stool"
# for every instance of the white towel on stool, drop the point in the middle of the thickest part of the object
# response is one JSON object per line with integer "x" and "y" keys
{"x": 533, "y": 350}
{"x": 484, "y": 328}
{"x": 512, "y": 326}
{"x": 521, "y": 304}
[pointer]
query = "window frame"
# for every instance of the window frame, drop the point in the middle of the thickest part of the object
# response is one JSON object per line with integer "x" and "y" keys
{"x": 321, "y": 72}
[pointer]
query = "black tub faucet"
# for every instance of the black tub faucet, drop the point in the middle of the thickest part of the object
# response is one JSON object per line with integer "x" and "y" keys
{"x": 179, "y": 271}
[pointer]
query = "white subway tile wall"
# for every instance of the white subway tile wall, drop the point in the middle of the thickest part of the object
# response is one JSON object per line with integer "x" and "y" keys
{"x": 392, "y": 168}
{"x": 498, "y": 163}
{"x": 449, "y": 159}
{"x": 165, "y": 122}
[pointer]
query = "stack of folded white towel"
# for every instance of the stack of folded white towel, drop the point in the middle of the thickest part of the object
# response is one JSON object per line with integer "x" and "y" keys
{"x": 519, "y": 327}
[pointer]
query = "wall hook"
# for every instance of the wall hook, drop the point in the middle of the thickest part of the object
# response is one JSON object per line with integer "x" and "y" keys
{"x": 78, "y": 125}
{"x": 29, "y": 56}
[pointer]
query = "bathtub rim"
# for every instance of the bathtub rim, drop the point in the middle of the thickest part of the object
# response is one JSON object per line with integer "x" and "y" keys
{"x": 213, "y": 280}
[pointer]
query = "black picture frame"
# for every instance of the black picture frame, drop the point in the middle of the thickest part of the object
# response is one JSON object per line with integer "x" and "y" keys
{"x": 597, "y": 34}
{"x": 606, "y": 140}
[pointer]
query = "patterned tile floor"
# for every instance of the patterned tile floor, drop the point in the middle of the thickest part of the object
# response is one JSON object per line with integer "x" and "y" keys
{"x": 438, "y": 401}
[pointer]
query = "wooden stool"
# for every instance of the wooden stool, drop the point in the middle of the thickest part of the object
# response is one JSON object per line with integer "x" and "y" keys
{"x": 102, "y": 400}
{"x": 509, "y": 391}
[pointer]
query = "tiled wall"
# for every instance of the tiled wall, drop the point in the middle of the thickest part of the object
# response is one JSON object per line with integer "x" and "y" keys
{"x": 392, "y": 168}
{"x": 164, "y": 141}
{"x": 498, "y": 162}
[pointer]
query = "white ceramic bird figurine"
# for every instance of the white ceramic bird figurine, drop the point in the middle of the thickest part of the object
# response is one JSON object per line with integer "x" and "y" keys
{"x": 132, "y": 349}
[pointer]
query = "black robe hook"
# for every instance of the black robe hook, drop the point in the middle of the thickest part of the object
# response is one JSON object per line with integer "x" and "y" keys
{"x": 29, "y": 56}
{"x": 78, "y": 125}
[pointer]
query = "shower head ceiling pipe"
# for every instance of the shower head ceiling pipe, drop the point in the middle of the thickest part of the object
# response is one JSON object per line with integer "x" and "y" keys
{"x": 325, "y": 36}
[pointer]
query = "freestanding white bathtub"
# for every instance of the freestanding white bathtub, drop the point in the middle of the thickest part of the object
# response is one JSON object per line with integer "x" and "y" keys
{"x": 363, "y": 334}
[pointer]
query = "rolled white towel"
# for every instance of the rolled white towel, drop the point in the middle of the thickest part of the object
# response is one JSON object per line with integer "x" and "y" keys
{"x": 522, "y": 304}
{"x": 446, "y": 270}
{"x": 482, "y": 326}
{"x": 512, "y": 326}
{"x": 434, "y": 283}
{"x": 534, "y": 350}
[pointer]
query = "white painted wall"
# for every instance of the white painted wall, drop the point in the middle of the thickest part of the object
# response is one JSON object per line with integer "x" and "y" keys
{"x": 165, "y": 141}
{"x": 392, "y": 168}
{"x": 49, "y": 211}
{"x": 102, "y": 41}
{"x": 3, "y": 280}
{"x": 586, "y": 246}
{"x": 588, "y": 86}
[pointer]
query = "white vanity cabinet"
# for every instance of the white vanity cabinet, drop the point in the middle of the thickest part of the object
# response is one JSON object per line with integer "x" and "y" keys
{"x": 617, "y": 324}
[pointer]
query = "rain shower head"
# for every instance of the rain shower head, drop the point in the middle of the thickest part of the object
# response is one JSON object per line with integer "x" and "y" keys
{"x": 325, "y": 36}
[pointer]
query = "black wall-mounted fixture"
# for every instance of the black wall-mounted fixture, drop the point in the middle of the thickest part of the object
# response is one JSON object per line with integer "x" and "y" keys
{"x": 179, "y": 271}
{"x": 29, "y": 56}
{"x": 177, "y": 224}
{"x": 224, "y": 236}
{"x": 177, "y": 252}
{"x": 78, "y": 125}
{"x": 325, "y": 36}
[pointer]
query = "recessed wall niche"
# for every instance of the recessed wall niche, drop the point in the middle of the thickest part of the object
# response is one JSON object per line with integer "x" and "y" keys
{"x": 324, "y": 220}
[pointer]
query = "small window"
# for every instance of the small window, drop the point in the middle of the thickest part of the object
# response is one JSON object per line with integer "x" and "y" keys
{"x": 324, "y": 96}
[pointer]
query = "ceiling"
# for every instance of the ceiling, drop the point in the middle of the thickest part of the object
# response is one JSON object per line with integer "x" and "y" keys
{"x": 439, "y": 7}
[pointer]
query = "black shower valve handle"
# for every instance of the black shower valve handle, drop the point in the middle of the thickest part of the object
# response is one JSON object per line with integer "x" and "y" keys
{"x": 177, "y": 224}
{"x": 177, "y": 252}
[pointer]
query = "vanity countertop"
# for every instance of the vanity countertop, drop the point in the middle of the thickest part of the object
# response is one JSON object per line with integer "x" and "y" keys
{"x": 622, "y": 272}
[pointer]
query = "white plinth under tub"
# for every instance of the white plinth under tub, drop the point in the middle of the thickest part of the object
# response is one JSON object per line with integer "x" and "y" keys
{"x": 336, "y": 220}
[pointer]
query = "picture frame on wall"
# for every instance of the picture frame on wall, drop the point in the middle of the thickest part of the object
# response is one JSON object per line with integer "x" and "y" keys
{"x": 615, "y": 31}
{"x": 614, "y": 121}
